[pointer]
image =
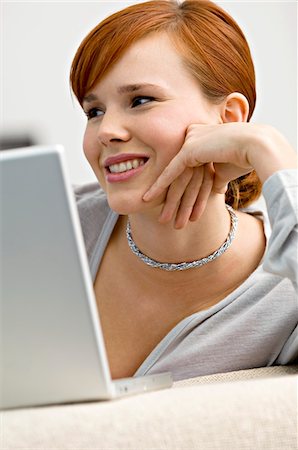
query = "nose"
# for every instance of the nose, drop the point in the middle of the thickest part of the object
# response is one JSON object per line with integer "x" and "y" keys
{"x": 113, "y": 128}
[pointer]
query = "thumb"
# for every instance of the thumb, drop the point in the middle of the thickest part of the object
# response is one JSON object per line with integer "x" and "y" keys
{"x": 220, "y": 186}
{"x": 220, "y": 183}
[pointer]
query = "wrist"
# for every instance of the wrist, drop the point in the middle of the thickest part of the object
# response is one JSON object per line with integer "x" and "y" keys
{"x": 270, "y": 152}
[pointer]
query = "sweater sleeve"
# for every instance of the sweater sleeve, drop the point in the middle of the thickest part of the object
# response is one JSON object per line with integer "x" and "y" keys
{"x": 280, "y": 193}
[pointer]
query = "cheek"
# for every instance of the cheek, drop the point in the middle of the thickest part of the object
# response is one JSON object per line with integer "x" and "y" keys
{"x": 90, "y": 148}
{"x": 168, "y": 136}
{"x": 86, "y": 144}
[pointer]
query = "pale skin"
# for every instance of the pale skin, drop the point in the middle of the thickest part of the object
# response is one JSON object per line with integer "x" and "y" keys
{"x": 235, "y": 149}
{"x": 150, "y": 106}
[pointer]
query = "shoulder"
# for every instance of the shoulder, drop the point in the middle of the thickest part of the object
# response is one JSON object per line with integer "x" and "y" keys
{"x": 91, "y": 200}
{"x": 93, "y": 211}
{"x": 87, "y": 194}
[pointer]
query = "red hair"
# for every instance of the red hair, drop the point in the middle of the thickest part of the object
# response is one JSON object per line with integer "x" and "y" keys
{"x": 209, "y": 41}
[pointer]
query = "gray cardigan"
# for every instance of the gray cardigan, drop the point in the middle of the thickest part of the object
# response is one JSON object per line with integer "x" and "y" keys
{"x": 255, "y": 325}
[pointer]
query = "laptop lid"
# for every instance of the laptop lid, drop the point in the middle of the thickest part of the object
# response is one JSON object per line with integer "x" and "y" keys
{"x": 52, "y": 348}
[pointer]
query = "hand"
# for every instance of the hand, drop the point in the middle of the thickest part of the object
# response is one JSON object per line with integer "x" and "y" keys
{"x": 207, "y": 161}
{"x": 212, "y": 156}
{"x": 187, "y": 195}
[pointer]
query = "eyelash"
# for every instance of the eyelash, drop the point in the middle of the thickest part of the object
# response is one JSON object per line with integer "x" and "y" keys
{"x": 141, "y": 97}
{"x": 92, "y": 112}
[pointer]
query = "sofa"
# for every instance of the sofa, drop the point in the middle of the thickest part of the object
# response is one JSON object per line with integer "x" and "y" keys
{"x": 253, "y": 409}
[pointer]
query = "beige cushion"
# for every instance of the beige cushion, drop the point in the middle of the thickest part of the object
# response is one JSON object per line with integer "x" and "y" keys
{"x": 258, "y": 411}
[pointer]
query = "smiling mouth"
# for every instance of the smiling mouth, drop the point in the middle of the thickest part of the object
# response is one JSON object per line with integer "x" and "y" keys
{"x": 126, "y": 166}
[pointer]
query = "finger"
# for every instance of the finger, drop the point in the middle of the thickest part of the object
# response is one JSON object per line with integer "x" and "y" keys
{"x": 224, "y": 173}
{"x": 189, "y": 198}
{"x": 174, "y": 194}
{"x": 175, "y": 168}
{"x": 205, "y": 191}
{"x": 219, "y": 186}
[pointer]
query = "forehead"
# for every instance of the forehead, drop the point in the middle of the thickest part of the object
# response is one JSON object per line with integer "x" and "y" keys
{"x": 151, "y": 59}
{"x": 154, "y": 45}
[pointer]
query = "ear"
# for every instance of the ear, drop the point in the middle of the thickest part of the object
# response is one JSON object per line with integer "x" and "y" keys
{"x": 235, "y": 108}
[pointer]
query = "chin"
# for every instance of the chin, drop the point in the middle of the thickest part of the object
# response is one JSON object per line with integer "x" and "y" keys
{"x": 126, "y": 204}
{"x": 131, "y": 203}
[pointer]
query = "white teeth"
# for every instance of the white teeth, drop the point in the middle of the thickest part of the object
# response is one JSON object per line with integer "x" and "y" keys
{"x": 122, "y": 167}
{"x": 127, "y": 165}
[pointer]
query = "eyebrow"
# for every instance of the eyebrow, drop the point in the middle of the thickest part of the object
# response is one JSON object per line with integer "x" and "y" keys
{"x": 89, "y": 98}
{"x": 134, "y": 87}
{"x": 128, "y": 88}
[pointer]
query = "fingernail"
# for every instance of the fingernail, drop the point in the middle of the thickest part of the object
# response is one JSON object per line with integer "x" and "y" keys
{"x": 165, "y": 216}
{"x": 179, "y": 225}
{"x": 146, "y": 196}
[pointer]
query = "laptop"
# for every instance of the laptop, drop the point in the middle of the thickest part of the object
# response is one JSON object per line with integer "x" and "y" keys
{"x": 52, "y": 346}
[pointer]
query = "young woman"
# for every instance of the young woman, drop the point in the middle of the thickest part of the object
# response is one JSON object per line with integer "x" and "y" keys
{"x": 186, "y": 276}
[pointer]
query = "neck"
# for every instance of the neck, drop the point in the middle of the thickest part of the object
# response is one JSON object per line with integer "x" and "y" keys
{"x": 198, "y": 286}
{"x": 164, "y": 243}
{"x": 199, "y": 239}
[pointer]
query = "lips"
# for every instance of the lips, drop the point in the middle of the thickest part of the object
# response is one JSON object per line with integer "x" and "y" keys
{"x": 126, "y": 165}
{"x": 123, "y": 166}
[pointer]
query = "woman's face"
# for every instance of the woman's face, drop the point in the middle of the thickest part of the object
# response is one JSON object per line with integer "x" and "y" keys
{"x": 138, "y": 115}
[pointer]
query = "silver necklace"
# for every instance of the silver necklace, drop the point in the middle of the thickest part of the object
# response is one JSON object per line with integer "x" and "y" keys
{"x": 185, "y": 265}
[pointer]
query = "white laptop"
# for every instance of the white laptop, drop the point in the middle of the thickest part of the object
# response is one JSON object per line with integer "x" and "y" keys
{"x": 51, "y": 347}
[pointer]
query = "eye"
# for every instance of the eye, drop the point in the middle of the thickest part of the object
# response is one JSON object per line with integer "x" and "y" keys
{"x": 93, "y": 112}
{"x": 138, "y": 101}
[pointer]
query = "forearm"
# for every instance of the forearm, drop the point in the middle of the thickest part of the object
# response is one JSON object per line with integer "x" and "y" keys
{"x": 234, "y": 149}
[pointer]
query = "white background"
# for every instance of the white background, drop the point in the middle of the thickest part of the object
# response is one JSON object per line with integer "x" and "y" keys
{"x": 39, "y": 40}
